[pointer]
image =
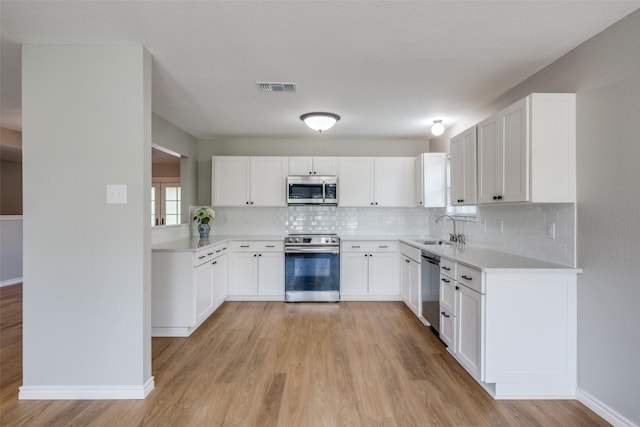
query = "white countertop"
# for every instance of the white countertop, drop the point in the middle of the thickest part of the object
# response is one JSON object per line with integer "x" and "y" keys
{"x": 194, "y": 244}
{"x": 474, "y": 256}
{"x": 487, "y": 259}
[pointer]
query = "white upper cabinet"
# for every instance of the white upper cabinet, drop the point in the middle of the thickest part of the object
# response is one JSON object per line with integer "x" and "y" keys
{"x": 463, "y": 169}
{"x": 377, "y": 181}
{"x": 356, "y": 181}
{"x": 394, "y": 182}
{"x": 313, "y": 166}
{"x": 431, "y": 180}
{"x": 526, "y": 152}
{"x": 249, "y": 181}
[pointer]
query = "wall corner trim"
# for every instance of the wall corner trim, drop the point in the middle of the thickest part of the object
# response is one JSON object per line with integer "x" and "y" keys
{"x": 86, "y": 392}
{"x": 602, "y": 409}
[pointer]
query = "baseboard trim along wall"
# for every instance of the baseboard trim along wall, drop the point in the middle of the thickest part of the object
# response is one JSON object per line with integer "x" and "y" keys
{"x": 605, "y": 411}
{"x": 86, "y": 392}
{"x": 10, "y": 282}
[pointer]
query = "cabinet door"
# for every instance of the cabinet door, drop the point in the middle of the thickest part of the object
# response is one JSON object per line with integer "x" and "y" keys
{"x": 356, "y": 181}
{"x": 448, "y": 329}
{"x": 469, "y": 330}
{"x": 325, "y": 166}
{"x": 515, "y": 179}
{"x": 464, "y": 168}
{"x": 230, "y": 181}
{"x": 394, "y": 181}
{"x": 434, "y": 179}
{"x": 203, "y": 291}
{"x": 490, "y": 161}
{"x": 354, "y": 271}
{"x": 300, "y": 166}
{"x": 268, "y": 181}
{"x": 271, "y": 274}
{"x": 243, "y": 273}
{"x": 405, "y": 278}
{"x": 414, "y": 291}
{"x": 383, "y": 274}
{"x": 219, "y": 280}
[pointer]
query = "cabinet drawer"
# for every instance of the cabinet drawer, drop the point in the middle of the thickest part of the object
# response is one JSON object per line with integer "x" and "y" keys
{"x": 448, "y": 329}
{"x": 448, "y": 267}
{"x": 470, "y": 277}
{"x": 411, "y": 252}
{"x": 257, "y": 246}
{"x": 203, "y": 256}
{"x": 220, "y": 249}
{"x": 369, "y": 246}
{"x": 447, "y": 293}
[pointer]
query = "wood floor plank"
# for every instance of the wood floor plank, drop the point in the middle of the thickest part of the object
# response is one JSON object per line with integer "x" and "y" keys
{"x": 277, "y": 364}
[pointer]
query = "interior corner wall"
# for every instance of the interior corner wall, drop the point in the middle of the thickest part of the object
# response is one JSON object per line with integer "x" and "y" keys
{"x": 314, "y": 145}
{"x": 604, "y": 72}
{"x": 86, "y": 298}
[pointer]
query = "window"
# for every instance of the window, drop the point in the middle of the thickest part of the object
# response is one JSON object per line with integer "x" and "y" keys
{"x": 468, "y": 213}
{"x": 166, "y": 198}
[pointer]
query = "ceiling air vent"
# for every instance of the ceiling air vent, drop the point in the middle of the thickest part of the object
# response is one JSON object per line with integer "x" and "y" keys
{"x": 276, "y": 87}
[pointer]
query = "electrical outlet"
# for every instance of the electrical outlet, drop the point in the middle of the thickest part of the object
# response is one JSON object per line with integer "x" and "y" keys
{"x": 551, "y": 230}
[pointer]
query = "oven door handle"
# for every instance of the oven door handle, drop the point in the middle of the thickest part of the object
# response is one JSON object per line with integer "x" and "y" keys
{"x": 315, "y": 250}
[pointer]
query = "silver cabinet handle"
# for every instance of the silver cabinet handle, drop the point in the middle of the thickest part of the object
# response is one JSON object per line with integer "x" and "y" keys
{"x": 270, "y": 246}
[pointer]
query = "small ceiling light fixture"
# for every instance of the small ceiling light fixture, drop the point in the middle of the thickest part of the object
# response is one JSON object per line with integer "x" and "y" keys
{"x": 437, "y": 128}
{"x": 320, "y": 121}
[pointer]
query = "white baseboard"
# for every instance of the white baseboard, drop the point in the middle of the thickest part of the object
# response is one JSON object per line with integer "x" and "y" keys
{"x": 11, "y": 282}
{"x": 602, "y": 409}
{"x": 86, "y": 392}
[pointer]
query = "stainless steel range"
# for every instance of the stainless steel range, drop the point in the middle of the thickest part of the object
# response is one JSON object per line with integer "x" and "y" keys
{"x": 312, "y": 267}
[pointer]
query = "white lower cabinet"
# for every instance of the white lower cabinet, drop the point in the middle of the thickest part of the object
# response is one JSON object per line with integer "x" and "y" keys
{"x": 256, "y": 271}
{"x": 369, "y": 270}
{"x": 469, "y": 330}
{"x": 186, "y": 288}
{"x": 410, "y": 269}
{"x": 513, "y": 330}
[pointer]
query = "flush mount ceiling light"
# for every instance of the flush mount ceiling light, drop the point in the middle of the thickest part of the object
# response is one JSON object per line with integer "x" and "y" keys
{"x": 320, "y": 121}
{"x": 437, "y": 128}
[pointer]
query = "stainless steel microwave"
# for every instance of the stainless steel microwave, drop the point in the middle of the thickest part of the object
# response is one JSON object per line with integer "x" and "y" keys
{"x": 312, "y": 190}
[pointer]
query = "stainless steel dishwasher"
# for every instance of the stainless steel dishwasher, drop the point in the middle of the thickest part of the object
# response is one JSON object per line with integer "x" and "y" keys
{"x": 430, "y": 287}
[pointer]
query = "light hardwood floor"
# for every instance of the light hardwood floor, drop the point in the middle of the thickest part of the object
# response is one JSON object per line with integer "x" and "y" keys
{"x": 278, "y": 364}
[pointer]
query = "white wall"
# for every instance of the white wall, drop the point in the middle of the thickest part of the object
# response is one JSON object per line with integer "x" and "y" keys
{"x": 605, "y": 73}
{"x": 314, "y": 145}
{"x": 86, "y": 123}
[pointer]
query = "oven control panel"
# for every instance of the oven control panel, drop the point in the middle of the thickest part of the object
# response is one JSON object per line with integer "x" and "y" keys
{"x": 312, "y": 240}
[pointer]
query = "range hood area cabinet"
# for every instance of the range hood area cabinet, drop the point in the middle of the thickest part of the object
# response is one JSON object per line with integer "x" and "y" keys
{"x": 527, "y": 152}
{"x": 431, "y": 180}
{"x": 325, "y": 166}
{"x": 249, "y": 181}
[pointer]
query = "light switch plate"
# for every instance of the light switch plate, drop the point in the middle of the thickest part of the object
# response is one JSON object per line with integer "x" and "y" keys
{"x": 116, "y": 194}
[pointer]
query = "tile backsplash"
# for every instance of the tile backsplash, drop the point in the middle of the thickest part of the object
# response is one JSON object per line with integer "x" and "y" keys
{"x": 519, "y": 229}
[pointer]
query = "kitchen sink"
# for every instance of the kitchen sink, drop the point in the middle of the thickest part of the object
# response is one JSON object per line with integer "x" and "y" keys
{"x": 437, "y": 242}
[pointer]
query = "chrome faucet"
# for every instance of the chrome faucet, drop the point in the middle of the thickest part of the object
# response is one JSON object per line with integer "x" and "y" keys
{"x": 453, "y": 237}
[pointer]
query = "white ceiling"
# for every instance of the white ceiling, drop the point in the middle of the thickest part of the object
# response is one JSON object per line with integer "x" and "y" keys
{"x": 387, "y": 67}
